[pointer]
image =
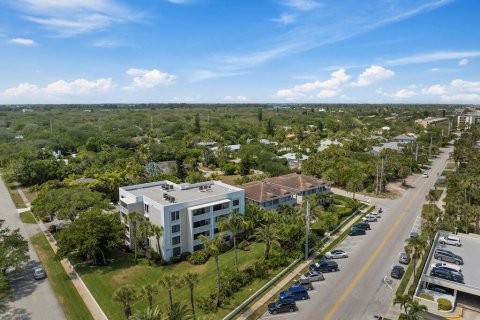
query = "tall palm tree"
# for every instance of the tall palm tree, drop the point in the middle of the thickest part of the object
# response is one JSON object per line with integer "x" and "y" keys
{"x": 191, "y": 280}
{"x": 403, "y": 301}
{"x": 145, "y": 231}
{"x": 354, "y": 185}
{"x": 178, "y": 312}
{"x": 212, "y": 247}
{"x": 149, "y": 314}
{"x": 148, "y": 291}
{"x": 134, "y": 219}
{"x": 268, "y": 234}
{"x": 415, "y": 246}
{"x": 126, "y": 295}
{"x": 158, "y": 233}
{"x": 235, "y": 223}
{"x": 169, "y": 282}
{"x": 415, "y": 309}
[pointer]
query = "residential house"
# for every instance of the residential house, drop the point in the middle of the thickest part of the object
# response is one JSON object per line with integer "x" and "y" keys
{"x": 403, "y": 138}
{"x": 324, "y": 144}
{"x": 433, "y": 122}
{"x": 294, "y": 160}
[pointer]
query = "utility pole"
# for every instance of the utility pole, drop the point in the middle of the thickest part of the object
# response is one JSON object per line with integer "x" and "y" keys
{"x": 381, "y": 175}
{"x": 430, "y": 148}
{"x": 376, "y": 184}
{"x": 416, "y": 152}
{"x": 307, "y": 229}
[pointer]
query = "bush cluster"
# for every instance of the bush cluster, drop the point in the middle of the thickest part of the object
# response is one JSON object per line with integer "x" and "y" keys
{"x": 444, "y": 304}
{"x": 426, "y": 296}
{"x": 198, "y": 257}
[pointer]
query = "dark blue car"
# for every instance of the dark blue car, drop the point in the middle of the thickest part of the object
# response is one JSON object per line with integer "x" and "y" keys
{"x": 295, "y": 293}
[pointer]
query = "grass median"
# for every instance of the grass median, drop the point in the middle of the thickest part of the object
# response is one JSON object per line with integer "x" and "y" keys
{"x": 27, "y": 217}
{"x": 71, "y": 302}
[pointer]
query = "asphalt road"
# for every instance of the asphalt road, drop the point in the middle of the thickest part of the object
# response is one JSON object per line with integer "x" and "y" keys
{"x": 358, "y": 291}
{"x": 32, "y": 299}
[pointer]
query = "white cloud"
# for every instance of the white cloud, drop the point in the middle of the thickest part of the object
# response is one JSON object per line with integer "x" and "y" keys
{"x": 285, "y": 19}
{"x": 432, "y": 57}
{"x": 434, "y": 70}
{"x": 107, "y": 43}
{"x": 73, "y": 17}
{"x": 327, "y": 93}
{"x": 464, "y": 85}
{"x": 435, "y": 89}
{"x": 62, "y": 87}
{"x": 373, "y": 74}
{"x": 150, "y": 78}
{"x": 462, "y": 97}
{"x": 200, "y": 75}
{"x": 24, "y": 42}
{"x": 304, "y": 5}
{"x": 463, "y": 62}
{"x": 404, "y": 94}
{"x": 237, "y": 98}
{"x": 337, "y": 78}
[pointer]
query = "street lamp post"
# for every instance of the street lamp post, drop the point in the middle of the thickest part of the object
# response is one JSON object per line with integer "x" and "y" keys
{"x": 307, "y": 229}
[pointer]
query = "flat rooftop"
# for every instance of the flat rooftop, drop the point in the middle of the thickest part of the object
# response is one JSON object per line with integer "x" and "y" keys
{"x": 469, "y": 251}
{"x": 181, "y": 192}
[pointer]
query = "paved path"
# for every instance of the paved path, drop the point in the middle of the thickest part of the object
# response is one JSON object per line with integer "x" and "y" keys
{"x": 77, "y": 281}
{"x": 31, "y": 299}
{"x": 291, "y": 277}
{"x": 358, "y": 290}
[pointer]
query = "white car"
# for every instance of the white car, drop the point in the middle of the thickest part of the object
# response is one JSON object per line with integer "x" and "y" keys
{"x": 375, "y": 214}
{"x": 336, "y": 254}
{"x": 369, "y": 218}
{"x": 447, "y": 266}
{"x": 425, "y": 174}
{"x": 451, "y": 240}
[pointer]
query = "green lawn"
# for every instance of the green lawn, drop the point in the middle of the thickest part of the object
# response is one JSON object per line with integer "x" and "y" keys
{"x": 438, "y": 193}
{"x": 27, "y": 217}
{"x": 429, "y": 208}
{"x": 447, "y": 173}
{"x": 71, "y": 302}
{"x": 17, "y": 200}
{"x": 102, "y": 281}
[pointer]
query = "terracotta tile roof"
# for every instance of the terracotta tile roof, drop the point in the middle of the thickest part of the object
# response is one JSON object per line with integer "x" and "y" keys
{"x": 277, "y": 187}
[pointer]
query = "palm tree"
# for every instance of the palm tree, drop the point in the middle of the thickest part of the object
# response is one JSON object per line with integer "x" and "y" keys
{"x": 144, "y": 233}
{"x": 269, "y": 235}
{"x": 126, "y": 295}
{"x": 169, "y": 282}
{"x": 234, "y": 223}
{"x": 178, "y": 312}
{"x": 212, "y": 247}
{"x": 149, "y": 314}
{"x": 354, "y": 185}
{"x": 191, "y": 280}
{"x": 133, "y": 219}
{"x": 415, "y": 246}
{"x": 148, "y": 291}
{"x": 158, "y": 233}
{"x": 403, "y": 301}
{"x": 415, "y": 309}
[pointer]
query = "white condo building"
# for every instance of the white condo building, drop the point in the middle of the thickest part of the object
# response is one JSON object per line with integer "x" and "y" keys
{"x": 184, "y": 210}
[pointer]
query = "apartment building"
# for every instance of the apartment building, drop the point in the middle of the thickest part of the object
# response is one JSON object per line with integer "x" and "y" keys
{"x": 465, "y": 121}
{"x": 185, "y": 211}
{"x": 433, "y": 122}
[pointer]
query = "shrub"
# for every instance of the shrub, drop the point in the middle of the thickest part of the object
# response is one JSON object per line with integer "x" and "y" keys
{"x": 45, "y": 219}
{"x": 52, "y": 229}
{"x": 426, "y": 296}
{"x": 199, "y": 257}
{"x": 277, "y": 261}
{"x": 244, "y": 245}
{"x": 229, "y": 169}
{"x": 258, "y": 269}
{"x": 206, "y": 304}
{"x": 444, "y": 304}
{"x": 185, "y": 255}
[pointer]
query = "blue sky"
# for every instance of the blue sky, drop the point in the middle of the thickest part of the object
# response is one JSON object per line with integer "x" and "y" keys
{"x": 237, "y": 51}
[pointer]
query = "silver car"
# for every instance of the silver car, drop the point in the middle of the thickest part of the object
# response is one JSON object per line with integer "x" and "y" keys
{"x": 313, "y": 276}
{"x": 336, "y": 254}
{"x": 39, "y": 273}
{"x": 404, "y": 258}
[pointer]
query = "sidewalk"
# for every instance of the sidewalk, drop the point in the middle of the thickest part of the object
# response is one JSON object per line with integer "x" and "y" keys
{"x": 290, "y": 277}
{"x": 87, "y": 297}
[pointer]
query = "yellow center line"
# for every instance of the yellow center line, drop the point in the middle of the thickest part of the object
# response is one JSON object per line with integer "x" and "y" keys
{"x": 372, "y": 258}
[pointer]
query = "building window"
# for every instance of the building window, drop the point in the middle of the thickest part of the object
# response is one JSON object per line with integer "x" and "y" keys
{"x": 175, "y": 240}
{"x": 201, "y": 223}
{"x": 236, "y": 210}
{"x": 197, "y": 235}
{"x": 197, "y": 247}
{"x": 221, "y": 206}
{"x": 177, "y": 251}
{"x": 216, "y": 230}
{"x": 176, "y": 228}
{"x": 147, "y": 208}
{"x": 200, "y": 211}
{"x": 175, "y": 215}
{"x": 236, "y": 202}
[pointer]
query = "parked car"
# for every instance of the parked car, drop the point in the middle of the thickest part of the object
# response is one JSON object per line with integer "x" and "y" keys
{"x": 336, "y": 254}
{"x": 446, "y": 274}
{"x": 451, "y": 240}
{"x": 313, "y": 276}
{"x": 448, "y": 256}
{"x": 362, "y": 225}
{"x": 404, "y": 258}
{"x": 357, "y": 232}
{"x": 324, "y": 266}
{"x": 375, "y": 214}
{"x": 369, "y": 218}
{"x": 39, "y": 273}
{"x": 305, "y": 283}
{"x": 282, "y": 305}
{"x": 447, "y": 266}
{"x": 295, "y": 293}
{"x": 397, "y": 272}
{"x": 440, "y": 289}
{"x": 414, "y": 234}
{"x": 425, "y": 174}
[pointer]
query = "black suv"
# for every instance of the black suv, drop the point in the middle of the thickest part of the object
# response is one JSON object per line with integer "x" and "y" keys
{"x": 357, "y": 232}
{"x": 362, "y": 225}
{"x": 324, "y": 266}
{"x": 282, "y": 305}
{"x": 397, "y": 272}
{"x": 447, "y": 275}
{"x": 448, "y": 256}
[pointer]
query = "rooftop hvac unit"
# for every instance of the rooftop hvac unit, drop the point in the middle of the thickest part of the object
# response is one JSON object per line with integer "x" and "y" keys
{"x": 172, "y": 199}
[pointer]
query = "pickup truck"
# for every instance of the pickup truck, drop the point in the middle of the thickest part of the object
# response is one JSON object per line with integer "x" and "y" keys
{"x": 324, "y": 266}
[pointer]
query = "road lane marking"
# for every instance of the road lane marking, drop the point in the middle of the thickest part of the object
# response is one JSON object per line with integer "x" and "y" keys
{"x": 373, "y": 257}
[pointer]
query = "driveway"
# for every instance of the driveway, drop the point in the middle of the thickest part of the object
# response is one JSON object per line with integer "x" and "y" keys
{"x": 358, "y": 290}
{"x": 31, "y": 299}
